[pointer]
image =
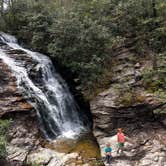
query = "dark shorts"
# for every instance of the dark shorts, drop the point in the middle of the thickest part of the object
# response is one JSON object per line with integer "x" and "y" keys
{"x": 120, "y": 144}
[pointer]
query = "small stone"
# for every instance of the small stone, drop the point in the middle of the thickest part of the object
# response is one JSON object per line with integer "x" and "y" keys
{"x": 133, "y": 150}
{"x": 156, "y": 158}
{"x": 137, "y": 65}
{"x": 145, "y": 162}
{"x": 79, "y": 162}
{"x": 42, "y": 156}
{"x": 85, "y": 164}
{"x": 79, "y": 158}
{"x": 164, "y": 122}
{"x": 54, "y": 162}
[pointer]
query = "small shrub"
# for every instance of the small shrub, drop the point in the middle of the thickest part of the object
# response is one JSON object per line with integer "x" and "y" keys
{"x": 140, "y": 98}
{"x": 2, "y": 146}
{"x": 154, "y": 80}
{"x": 35, "y": 164}
{"x": 126, "y": 99}
{"x": 4, "y": 125}
{"x": 159, "y": 111}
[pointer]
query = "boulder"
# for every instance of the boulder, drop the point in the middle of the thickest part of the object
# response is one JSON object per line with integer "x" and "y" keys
{"x": 43, "y": 156}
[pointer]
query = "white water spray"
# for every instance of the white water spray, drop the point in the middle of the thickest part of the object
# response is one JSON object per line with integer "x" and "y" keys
{"x": 47, "y": 91}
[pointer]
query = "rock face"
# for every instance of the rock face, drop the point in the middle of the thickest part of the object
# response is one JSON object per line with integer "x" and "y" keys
{"x": 128, "y": 105}
{"x": 11, "y": 99}
{"x": 23, "y": 137}
{"x": 23, "y": 132}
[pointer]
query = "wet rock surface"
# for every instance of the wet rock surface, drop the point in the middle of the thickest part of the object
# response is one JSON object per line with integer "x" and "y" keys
{"x": 23, "y": 137}
{"x": 11, "y": 99}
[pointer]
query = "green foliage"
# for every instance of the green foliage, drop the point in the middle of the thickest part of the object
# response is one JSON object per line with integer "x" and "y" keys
{"x": 155, "y": 80}
{"x": 159, "y": 111}
{"x": 124, "y": 95}
{"x": 81, "y": 36}
{"x": 126, "y": 98}
{"x": 4, "y": 125}
{"x": 2, "y": 24}
{"x": 34, "y": 164}
{"x": 38, "y": 28}
{"x": 2, "y": 146}
{"x": 81, "y": 46}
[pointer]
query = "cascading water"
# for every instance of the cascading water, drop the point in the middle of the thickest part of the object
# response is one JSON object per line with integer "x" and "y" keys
{"x": 45, "y": 89}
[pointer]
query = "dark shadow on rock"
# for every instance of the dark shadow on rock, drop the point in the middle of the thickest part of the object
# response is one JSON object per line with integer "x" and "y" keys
{"x": 4, "y": 162}
{"x": 84, "y": 106}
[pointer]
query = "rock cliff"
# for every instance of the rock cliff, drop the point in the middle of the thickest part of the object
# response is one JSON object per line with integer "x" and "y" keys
{"x": 129, "y": 105}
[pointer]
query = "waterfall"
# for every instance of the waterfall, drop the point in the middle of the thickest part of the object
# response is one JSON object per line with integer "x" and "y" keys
{"x": 43, "y": 87}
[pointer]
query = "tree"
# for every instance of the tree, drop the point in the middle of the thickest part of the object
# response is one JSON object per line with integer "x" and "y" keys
{"x": 154, "y": 8}
{"x": 81, "y": 35}
{"x": 1, "y": 7}
{"x": 4, "y": 126}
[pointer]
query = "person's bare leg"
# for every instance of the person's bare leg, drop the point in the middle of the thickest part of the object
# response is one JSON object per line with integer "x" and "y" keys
{"x": 119, "y": 150}
{"x": 122, "y": 150}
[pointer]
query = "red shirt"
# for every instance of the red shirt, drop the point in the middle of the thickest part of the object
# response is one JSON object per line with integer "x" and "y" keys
{"x": 121, "y": 137}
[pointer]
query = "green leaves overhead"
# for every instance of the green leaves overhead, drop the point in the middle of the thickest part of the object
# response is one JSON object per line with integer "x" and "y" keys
{"x": 82, "y": 35}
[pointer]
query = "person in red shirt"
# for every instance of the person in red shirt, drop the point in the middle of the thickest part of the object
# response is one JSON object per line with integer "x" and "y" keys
{"x": 121, "y": 140}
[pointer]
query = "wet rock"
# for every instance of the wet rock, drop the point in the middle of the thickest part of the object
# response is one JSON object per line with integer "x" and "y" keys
{"x": 54, "y": 161}
{"x": 16, "y": 153}
{"x": 22, "y": 137}
{"x": 11, "y": 99}
{"x": 43, "y": 156}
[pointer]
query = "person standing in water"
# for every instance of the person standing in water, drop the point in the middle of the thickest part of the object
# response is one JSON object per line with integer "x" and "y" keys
{"x": 108, "y": 151}
{"x": 121, "y": 140}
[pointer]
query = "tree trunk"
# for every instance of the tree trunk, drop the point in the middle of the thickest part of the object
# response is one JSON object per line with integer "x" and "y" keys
{"x": 154, "y": 55}
{"x": 154, "y": 8}
{"x": 1, "y": 7}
